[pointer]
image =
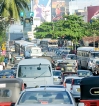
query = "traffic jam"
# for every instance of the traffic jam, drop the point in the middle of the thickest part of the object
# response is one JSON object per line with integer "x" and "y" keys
{"x": 43, "y": 72}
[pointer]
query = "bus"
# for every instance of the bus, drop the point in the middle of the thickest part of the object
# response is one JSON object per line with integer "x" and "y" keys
{"x": 84, "y": 54}
{"x": 33, "y": 50}
{"x": 18, "y": 46}
{"x": 35, "y": 72}
{"x": 53, "y": 43}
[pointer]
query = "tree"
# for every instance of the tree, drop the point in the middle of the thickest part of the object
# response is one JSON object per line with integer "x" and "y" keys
{"x": 12, "y": 8}
{"x": 45, "y": 30}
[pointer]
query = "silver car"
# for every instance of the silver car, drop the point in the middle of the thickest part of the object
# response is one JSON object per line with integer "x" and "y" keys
{"x": 57, "y": 77}
{"x": 75, "y": 87}
{"x": 45, "y": 96}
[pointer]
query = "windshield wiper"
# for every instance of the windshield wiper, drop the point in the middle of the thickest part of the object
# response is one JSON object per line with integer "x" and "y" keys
{"x": 40, "y": 75}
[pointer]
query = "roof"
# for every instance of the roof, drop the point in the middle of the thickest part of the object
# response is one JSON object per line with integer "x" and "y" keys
{"x": 34, "y": 61}
{"x": 43, "y": 89}
{"x": 11, "y": 80}
{"x": 90, "y": 39}
{"x": 84, "y": 70}
{"x": 90, "y": 80}
{"x": 74, "y": 77}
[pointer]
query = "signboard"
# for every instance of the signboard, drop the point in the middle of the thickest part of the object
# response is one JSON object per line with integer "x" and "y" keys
{"x": 42, "y": 10}
{"x": 2, "y": 85}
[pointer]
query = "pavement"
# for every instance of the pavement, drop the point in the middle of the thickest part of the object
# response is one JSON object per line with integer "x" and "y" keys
{"x": 9, "y": 66}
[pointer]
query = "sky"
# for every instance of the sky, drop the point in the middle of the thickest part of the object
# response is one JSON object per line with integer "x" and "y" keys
{"x": 84, "y": 3}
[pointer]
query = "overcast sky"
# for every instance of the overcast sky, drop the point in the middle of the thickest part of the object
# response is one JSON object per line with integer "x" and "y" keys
{"x": 84, "y": 3}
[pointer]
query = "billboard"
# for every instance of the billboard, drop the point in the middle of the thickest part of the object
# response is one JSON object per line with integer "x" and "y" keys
{"x": 59, "y": 8}
{"x": 42, "y": 10}
{"x": 92, "y": 12}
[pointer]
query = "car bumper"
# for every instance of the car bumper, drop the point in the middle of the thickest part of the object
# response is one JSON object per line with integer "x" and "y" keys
{"x": 76, "y": 95}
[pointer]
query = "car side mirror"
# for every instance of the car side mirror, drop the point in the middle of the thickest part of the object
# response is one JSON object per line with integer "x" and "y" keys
{"x": 12, "y": 104}
{"x": 81, "y": 104}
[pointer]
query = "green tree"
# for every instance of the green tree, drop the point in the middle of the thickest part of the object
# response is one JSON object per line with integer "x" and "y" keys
{"x": 45, "y": 30}
{"x": 74, "y": 27}
{"x": 12, "y": 8}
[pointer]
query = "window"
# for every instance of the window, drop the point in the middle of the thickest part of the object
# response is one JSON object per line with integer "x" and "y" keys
{"x": 69, "y": 81}
{"x": 5, "y": 93}
{"x": 56, "y": 73}
{"x": 76, "y": 81}
{"x": 32, "y": 71}
{"x": 42, "y": 97}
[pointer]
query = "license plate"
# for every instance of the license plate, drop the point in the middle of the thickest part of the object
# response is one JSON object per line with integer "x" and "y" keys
{"x": 62, "y": 68}
{"x": 55, "y": 79}
{"x": 78, "y": 89}
{"x": 4, "y": 77}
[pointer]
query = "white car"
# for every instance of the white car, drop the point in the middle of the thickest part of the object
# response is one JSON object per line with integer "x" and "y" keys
{"x": 95, "y": 64}
{"x": 72, "y": 84}
{"x": 45, "y": 96}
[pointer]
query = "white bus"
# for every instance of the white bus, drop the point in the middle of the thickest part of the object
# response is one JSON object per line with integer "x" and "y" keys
{"x": 35, "y": 72}
{"x": 21, "y": 46}
{"x": 84, "y": 54}
{"x": 33, "y": 50}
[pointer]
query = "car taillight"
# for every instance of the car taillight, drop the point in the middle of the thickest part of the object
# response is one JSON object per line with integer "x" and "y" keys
{"x": 72, "y": 84}
{"x": 58, "y": 68}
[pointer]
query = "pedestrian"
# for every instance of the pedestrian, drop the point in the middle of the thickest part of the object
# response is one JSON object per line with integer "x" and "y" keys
{"x": 1, "y": 67}
{"x": 6, "y": 61}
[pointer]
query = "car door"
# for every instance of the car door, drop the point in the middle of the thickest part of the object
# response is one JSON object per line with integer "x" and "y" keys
{"x": 68, "y": 83}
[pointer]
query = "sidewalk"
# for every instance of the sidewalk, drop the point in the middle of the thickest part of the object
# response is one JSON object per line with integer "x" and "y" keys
{"x": 9, "y": 66}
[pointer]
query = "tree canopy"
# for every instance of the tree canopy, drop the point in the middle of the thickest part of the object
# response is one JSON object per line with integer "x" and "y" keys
{"x": 71, "y": 27}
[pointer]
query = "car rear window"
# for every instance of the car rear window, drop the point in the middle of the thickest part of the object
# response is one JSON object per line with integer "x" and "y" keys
{"x": 56, "y": 73}
{"x": 5, "y": 93}
{"x": 52, "y": 86}
{"x": 77, "y": 81}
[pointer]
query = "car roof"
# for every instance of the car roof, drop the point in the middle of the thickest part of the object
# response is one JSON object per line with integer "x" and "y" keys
{"x": 51, "y": 85}
{"x": 45, "y": 88}
{"x": 74, "y": 77}
{"x": 83, "y": 70}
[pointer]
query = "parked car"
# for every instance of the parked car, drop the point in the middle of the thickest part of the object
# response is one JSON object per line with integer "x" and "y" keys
{"x": 45, "y": 96}
{"x": 57, "y": 76}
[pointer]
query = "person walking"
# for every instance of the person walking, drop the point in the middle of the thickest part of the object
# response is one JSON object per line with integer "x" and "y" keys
{"x": 6, "y": 62}
{"x": 1, "y": 67}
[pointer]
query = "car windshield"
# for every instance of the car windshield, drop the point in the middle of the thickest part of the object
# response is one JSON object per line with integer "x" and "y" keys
{"x": 95, "y": 54}
{"x": 45, "y": 97}
{"x": 77, "y": 81}
{"x": 84, "y": 73}
{"x": 5, "y": 72}
{"x": 56, "y": 73}
{"x": 71, "y": 56}
{"x": 97, "y": 62}
{"x": 31, "y": 71}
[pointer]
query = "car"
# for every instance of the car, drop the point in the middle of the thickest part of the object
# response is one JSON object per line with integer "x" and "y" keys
{"x": 45, "y": 96}
{"x": 84, "y": 73}
{"x": 8, "y": 73}
{"x": 57, "y": 76}
{"x": 70, "y": 56}
{"x": 14, "y": 67}
{"x": 72, "y": 84}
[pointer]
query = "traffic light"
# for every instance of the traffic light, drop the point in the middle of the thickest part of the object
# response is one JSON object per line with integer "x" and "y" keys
{"x": 22, "y": 20}
{"x": 31, "y": 20}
